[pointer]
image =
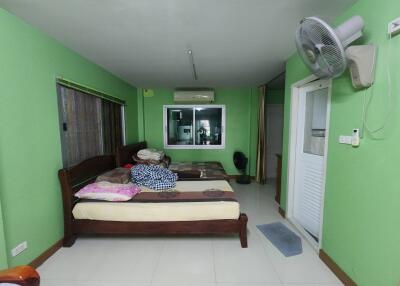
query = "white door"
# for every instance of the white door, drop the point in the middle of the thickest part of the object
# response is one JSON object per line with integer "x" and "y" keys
{"x": 274, "y": 131}
{"x": 311, "y": 142}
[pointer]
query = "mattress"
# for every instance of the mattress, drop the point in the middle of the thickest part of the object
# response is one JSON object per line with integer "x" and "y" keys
{"x": 150, "y": 212}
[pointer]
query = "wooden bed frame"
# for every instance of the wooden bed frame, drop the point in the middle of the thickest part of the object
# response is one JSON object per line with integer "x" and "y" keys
{"x": 76, "y": 177}
{"x": 20, "y": 275}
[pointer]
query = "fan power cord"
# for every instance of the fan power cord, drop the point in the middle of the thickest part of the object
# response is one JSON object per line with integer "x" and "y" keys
{"x": 367, "y": 102}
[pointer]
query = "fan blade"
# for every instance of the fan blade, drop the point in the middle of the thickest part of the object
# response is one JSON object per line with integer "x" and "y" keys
{"x": 334, "y": 60}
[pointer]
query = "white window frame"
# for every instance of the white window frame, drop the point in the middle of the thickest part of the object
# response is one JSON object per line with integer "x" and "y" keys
{"x": 193, "y": 146}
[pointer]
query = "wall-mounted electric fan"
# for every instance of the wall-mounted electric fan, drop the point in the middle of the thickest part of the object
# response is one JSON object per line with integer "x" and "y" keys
{"x": 326, "y": 53}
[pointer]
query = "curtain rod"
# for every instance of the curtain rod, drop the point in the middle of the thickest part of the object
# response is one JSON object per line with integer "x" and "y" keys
{"x": 80, "y": 87}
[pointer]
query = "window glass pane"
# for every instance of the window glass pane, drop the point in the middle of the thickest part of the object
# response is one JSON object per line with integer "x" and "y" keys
{"x": 180, "y": 125}
{"x": 208, "y": 122}
{"x": 315, "y": 122}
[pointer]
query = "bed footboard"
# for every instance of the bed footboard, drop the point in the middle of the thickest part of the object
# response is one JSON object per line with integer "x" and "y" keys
{"x": 217, "y": 227}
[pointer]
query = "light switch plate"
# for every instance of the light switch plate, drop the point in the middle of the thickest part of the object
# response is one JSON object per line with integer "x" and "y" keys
{"x": 345, "y": 139}
{"x": 19, "y": 248}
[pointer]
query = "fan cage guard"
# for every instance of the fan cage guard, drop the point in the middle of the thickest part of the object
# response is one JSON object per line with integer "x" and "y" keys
{"x": 317, "y": 37}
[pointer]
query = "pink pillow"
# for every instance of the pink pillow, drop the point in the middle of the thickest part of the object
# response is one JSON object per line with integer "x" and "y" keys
{"x": 107, "y": 191}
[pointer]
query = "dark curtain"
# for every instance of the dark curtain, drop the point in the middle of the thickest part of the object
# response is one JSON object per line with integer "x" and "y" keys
{"x": 261, "y": 143}
{"x": 112, "y": 126}
{"x": 89, "y": 125}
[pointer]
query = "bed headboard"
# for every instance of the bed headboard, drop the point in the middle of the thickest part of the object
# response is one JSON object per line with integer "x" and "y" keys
{"x": 124, "y": 153}
{"x": 74, "y": 178}
{"x": 85, "y": 172}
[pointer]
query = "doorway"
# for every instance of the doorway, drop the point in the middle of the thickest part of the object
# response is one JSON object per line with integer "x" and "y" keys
{"x": 274, "y": 134}
{"x": 274, "y": 118}
{"x": 310, "y": 113}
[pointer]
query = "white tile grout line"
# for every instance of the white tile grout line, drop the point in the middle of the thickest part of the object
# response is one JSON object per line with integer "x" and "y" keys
{"x": 158, "y": 262}
{"x": 214, "y": 266}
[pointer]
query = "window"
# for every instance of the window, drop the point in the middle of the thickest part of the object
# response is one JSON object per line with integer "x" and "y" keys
{"x": 89, "y": 125}
{"x": 315, "y": 122}
{"x": 194, "y": 126}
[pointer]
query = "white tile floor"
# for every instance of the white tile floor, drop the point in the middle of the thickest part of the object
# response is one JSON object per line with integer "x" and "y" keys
{"x": 190, "y": 261}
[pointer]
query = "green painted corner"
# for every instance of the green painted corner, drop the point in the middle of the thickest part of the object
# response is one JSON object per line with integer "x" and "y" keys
{"x": 240, "y": 113}
{"x": 30, "y": 149}
{"x": 140, "y": 115}
{"x": 362, "y": 195}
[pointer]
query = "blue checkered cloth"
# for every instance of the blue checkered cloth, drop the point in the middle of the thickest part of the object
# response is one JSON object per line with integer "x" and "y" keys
{"x": 153, "y": 177}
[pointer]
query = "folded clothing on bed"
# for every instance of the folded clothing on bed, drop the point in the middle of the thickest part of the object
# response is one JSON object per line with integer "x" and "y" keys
{"x": 150, "y": 154}
{"x": 106, "y": 191}
{"x": 153, "y": 176}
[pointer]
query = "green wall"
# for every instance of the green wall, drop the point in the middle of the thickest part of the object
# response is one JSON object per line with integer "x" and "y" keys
{"x": 275, "y": 96}
{"x": 241, "y": 126}
{"x": 362, "y": 201}
{"x": 3, "y": 253}
{"x": 30, "y": 149}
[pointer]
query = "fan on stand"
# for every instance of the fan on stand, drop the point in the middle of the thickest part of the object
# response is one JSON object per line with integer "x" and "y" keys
{"x": 240, "y": 161}
{"x": 327, "y": 54}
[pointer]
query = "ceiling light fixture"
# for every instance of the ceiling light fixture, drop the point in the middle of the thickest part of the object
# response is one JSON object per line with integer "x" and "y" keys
{"x": 191, "y": 59}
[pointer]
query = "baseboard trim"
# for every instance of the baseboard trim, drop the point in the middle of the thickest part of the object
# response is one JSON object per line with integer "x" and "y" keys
{"x": 282, "y": 212}
{"x": 46, "y": 254}
{"x": 347, "y": 281}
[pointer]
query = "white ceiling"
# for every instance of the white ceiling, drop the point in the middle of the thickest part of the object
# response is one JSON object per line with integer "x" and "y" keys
{"x": 145, "y": 42}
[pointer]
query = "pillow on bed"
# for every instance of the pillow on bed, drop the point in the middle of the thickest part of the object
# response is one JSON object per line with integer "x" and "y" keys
{"x": 117, "y": 176}
{"x": 106, "y": 191}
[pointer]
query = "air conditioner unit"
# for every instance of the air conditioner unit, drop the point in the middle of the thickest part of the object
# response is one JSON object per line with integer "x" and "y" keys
{"x": 193, "y": 96}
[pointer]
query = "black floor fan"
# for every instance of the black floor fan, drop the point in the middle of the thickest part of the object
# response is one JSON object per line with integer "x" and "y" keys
{"x": 240, "y": 161}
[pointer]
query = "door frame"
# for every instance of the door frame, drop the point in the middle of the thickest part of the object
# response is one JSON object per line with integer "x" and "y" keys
{"x": 291, "y": 168}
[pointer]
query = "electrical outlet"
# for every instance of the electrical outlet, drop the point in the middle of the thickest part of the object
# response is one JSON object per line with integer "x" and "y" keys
{"x": 19, "y": 248}
{"x": 394, "y": 27}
